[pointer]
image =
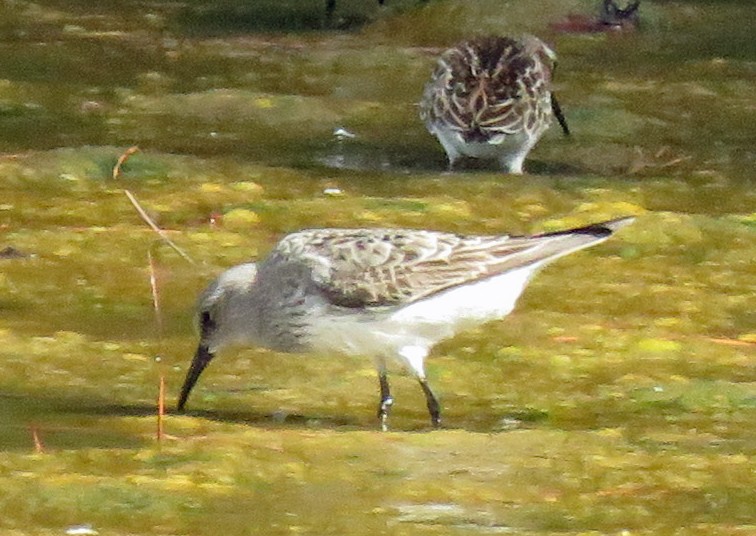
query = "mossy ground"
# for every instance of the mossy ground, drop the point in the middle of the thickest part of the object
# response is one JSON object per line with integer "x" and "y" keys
{"x": 618, "y": 398}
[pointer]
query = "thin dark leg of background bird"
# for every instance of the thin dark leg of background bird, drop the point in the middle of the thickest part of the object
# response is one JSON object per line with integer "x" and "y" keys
{"x": 434, "y": 408}
{"x": 559, "y": 115}
{"x": 330, "y": 8}
{"x": 386, "y": 400}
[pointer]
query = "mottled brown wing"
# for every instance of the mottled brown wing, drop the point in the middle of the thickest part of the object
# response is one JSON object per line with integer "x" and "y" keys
{"x": 382, "y": 267}
{"x": 489, "y": 86}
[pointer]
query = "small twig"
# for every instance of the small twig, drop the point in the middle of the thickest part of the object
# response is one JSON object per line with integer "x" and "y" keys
{"x": 155, "y": 228}
{"x": 122, "y": 159}
{"x": 664, "y": 149}
{"x": 159, "y": 321}
{"x": 161, "y": 409}
{"x": 155, "y": 293}
{"x": 38, "y": 446}
{"x": 674, "y": 161}
{"x": 730, "y": 342}
{"x": 564, "y": 338}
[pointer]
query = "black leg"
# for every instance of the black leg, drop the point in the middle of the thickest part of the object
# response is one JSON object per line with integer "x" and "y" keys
{"x": 434, "y": 408}
{"x": 330, "y": 8}
{"x": 386, "y": 400}
{"x": 559, "y": 115}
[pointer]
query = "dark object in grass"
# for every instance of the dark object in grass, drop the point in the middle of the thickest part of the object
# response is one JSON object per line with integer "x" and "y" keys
{"x": 9, "y": 252}
{"x": 611, "y": 18}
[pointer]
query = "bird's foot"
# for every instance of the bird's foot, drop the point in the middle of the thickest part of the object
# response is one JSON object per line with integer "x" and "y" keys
{"x": 384, "y": 409}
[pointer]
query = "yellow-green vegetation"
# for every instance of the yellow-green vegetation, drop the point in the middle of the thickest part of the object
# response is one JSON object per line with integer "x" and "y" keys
{"x": 619, "y": 397}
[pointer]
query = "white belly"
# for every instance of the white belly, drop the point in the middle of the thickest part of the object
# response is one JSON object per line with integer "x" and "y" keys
{"x": 468, "y": 305}
{"x": 423, "y": 323}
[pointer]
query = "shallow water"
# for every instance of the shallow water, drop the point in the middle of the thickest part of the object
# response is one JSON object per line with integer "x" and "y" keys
{"x": 619, "y": 396}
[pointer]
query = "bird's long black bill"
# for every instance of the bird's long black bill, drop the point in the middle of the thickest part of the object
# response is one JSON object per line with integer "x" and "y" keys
{"x": 559, "y": 115}
{"x": 202, "y": 358}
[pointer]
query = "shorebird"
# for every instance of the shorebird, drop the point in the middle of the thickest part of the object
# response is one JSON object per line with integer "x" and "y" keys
{"x": 614, "y": 17}
{"x": 611, "y": 18}
{"x": 383, "y": 293}
{"x": 490, "y": 97}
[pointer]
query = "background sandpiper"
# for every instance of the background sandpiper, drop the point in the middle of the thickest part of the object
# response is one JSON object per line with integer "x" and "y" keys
{"x": 385, "y": 293}
{"x": 613, "y": 17}
{"x": 490, "y": 97}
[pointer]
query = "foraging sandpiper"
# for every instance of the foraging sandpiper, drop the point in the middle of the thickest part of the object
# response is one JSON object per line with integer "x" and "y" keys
{"x": 611, "y": 18}
{"x": 614, "y": 17}
{"x": 491, "y": 98}
{"x": 385, "y": 293}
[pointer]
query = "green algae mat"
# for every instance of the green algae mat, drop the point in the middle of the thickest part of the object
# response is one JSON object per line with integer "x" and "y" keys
{"x": 618, "y": 398}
